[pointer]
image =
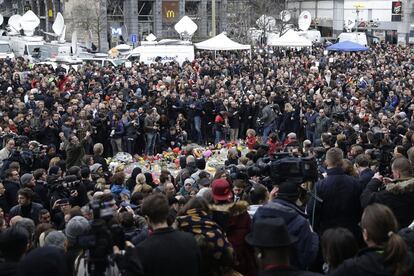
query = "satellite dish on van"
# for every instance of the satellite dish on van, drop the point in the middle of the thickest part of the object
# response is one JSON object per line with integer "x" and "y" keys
{"x": 349, "y": 24}
{"x": 151, "y": 37}
{"x": 14, "y": 24}
{"x": 186, "y": 27}
{"x": 304, "y": 21}
{"x": 59, "y": 28}
{"x": 29, "y": 21}
{"x": 1, "y": 19}
{"x": 285, "y": 15}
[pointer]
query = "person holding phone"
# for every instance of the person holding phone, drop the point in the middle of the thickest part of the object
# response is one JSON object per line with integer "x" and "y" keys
{"x": 396, "y": 193}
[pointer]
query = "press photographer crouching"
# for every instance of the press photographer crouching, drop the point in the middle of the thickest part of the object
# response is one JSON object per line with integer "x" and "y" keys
{"x": 396, "y": 193}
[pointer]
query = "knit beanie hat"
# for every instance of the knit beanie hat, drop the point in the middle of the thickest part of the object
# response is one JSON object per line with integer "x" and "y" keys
{"x": 56, "y": 239}
{"x": 77, "y": 226}
{"x": 25, "y": 179}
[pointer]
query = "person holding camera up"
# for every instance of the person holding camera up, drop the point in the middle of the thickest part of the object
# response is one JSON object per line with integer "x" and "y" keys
{"x": 75, "y": 150}
{"x": 397, "y": 193}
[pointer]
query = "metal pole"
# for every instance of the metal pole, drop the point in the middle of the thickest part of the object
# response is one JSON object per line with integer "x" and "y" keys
{"x": 46, "y": 16}
{"x": 213, "y": 17}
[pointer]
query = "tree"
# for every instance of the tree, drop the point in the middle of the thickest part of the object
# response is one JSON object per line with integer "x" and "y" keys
{"x": 261, "y": 14}
{"x": 91, "y": 16}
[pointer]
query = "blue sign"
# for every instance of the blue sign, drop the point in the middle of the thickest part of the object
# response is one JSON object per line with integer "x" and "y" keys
{"x": 134, "y": 38}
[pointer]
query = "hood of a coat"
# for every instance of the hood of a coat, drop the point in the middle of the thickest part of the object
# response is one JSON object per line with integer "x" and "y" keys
{"x": 234, "y": 208}
{"x": 370, "y": 261}
{"x": 401, "y": 186}
{"x": 280, "y": 208}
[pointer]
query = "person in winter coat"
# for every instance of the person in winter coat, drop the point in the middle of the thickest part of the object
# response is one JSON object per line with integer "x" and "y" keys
{"x": 339, "y": 193}
{"x": 12, "y": 186}
{"x": 26, "y": 208}
{"x": 284, "y": 206}
{"x": 322, "y": 124}
{"x": 386, "y": 252}
{"x": 14, "y": 242}
{"x": 234, "y": 219}
{"x": 398, "y": 194}
{"x": 177, "y": 250}
{"x": 290, "y": 121}
{"x": 117, "y": 133}
{"x": 151, "y": 129}
{"x": 365, "y": 173}
{"x": 220, "y": 127}
{"x": 273, "y": 245}
{"x": 234, "y": 121}
{"x": 216, "y": 250}
{"x": 310, "y": 123}
{"x": 268, "y": 120}
{"x": 75, "y": 150}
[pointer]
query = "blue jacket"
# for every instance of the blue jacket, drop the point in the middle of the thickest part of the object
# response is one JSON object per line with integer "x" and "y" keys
{"x": 311, "y": 120}
{"x": 340, "y": 208}
{"x": 364, "y": 178}
{"x": 306, "y": 249}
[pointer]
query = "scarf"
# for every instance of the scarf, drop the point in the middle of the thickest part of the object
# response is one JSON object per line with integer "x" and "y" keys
{"x": 206, "y": 232}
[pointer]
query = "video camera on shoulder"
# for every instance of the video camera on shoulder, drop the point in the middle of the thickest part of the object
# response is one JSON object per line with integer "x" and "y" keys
{"x": 290, "y": 168}
{"x": 70, "y": 182}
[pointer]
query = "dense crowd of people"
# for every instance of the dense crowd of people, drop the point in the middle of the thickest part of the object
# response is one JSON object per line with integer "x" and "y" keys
{"x": 65, "y": 211}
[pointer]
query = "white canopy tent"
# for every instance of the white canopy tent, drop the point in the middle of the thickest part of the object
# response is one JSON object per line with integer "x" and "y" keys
{"x": 290, "y": 39}
{"x": 221, "y": 43}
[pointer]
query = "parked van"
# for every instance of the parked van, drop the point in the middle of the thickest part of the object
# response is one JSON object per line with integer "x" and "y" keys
{"x": 5, "y": 50}
{"x": 357, "y": 37}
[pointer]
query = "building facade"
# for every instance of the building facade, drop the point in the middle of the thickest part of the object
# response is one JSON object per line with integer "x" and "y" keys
{"x": 388, "y": 20}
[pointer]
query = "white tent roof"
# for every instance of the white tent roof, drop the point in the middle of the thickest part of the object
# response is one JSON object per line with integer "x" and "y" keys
{"x": 290, "y": 39}
{"x": 221, "y": 42}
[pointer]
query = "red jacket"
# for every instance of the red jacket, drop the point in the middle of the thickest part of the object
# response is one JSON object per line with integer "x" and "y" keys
{"x": 251, "y": 141}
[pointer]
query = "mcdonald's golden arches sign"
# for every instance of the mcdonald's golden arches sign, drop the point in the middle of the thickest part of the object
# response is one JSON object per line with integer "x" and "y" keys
{"x": 170, "y": 11}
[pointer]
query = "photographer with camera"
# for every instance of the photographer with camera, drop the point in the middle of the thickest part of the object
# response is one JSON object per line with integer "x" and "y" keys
{"x": 396, "y": 193}
{"x": 75, "y": 149}
{"x": 284, "y": 204}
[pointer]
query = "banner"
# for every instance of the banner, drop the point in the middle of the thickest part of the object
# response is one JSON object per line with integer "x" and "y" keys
{"x": 396, "y": 8}
{"x": 170, "y": 11}
{"x": 396, "y": 11}
{"x": 165, "y": 53}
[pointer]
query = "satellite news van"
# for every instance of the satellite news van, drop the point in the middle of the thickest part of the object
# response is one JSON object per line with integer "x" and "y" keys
{"x": 168, "y": 50}
{"x": 5, "y": 50}
{"x": 27, "y": 45}
{"x": 357, "y": 37}
{"x": 59, "y": 49}
{"x": 164, "y": 51}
